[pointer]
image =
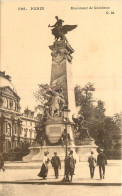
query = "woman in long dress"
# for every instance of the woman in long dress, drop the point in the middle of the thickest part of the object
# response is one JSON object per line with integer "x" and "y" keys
{"x": 44, "y": 169}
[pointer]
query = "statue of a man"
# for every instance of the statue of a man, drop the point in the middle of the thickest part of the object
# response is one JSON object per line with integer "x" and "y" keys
{"x": 55, "y": 104}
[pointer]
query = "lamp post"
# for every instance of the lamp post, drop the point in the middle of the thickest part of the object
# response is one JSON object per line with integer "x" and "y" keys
{"x": 66, "y": 121}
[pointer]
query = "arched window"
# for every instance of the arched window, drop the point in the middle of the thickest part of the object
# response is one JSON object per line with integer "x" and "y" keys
{"x": 9, "y": 145}
{"x": 9, "y": 129}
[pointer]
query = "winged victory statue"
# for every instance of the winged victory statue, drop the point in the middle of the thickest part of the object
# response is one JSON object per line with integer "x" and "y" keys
{"x": 59, "y": 30}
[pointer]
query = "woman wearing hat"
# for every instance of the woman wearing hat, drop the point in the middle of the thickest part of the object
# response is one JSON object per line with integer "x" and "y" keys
{"x": 44, "y": 169}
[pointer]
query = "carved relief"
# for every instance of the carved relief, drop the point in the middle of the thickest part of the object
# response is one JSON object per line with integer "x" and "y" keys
{"x": 59, "y": 81}
{"x": 58, "y": 56}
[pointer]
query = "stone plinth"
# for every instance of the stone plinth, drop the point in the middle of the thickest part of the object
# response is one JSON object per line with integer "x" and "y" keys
{"x": 37, "y": 153}
{"x": 81, "y": 153}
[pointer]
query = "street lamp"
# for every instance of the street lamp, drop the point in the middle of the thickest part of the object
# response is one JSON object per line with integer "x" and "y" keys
{"x": 66, "y": 122}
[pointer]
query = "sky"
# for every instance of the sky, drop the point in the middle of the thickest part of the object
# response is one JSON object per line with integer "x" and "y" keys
{"x": 97, "y": 41}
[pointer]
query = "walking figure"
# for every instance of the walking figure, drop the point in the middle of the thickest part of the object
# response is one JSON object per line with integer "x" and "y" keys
{"x": 101, "y": 161}
{"x": 2, "y": 162}
{"x": 92, "y": 163}
{"x": 70, "y": 166}
{"x": 44, "y": 169}
{"x": 56, "y": 164}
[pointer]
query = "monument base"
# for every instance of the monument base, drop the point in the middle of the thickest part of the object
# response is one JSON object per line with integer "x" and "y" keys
{"x": 81, "y": 153}
{"x": 84, "y": 151}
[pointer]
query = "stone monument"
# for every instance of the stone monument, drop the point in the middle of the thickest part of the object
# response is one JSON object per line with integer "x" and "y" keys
{"x": 60, "y": 95}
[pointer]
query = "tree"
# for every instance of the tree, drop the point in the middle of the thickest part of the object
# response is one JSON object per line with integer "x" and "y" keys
{"x": 84, "y": 99}
{"x": 97, "y": 126}
{"x": 40, "y": 96}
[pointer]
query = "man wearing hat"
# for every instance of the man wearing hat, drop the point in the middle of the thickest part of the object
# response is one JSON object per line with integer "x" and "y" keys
{"x": 56, "y": 163}
{"x": 70, "y": 166}
{"x": 101, "y": 161}
{"x": 92, "y": 163}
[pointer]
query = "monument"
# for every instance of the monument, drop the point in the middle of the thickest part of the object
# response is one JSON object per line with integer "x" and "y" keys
{"x": 60, "y": 96}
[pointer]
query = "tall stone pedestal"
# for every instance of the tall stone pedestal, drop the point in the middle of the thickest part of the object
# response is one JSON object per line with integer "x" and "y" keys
{"x": 62, "y": 89}
{"x": 61, "y": 72}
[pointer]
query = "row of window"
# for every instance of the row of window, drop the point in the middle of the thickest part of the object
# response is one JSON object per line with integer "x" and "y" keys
{"x": 10, "y": 104}
{"x": 26, "y": 130}
{"x": 11, "y": 131}
{"x": 28, "y": 123}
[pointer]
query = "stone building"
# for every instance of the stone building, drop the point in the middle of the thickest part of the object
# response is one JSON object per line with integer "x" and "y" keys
{"x": 16, "y": 128}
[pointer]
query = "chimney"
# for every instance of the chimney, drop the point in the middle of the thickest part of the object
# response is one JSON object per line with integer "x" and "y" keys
{"x": 8, "y": 77}
{"x": 2, "y": 73}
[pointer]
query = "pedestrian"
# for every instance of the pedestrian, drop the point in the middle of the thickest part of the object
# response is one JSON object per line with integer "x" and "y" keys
{"x": 101, "y": 162}
{"x": 2, "y": 162}
{"x": 44, "y": 169}
{"x": 92, "y": 163}
{"x": 70, "y": 166}
{"x": 56, "y": 164}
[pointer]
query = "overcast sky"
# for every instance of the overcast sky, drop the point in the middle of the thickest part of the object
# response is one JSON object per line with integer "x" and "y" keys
{"x": 97, "y": 42}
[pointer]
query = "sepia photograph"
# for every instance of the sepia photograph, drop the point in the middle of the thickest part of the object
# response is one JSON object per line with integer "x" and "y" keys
{"x": 61, "y": 98}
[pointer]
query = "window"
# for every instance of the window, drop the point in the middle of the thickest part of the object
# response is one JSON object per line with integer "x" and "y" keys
{"x": 9, "y": 129}
{"x": 21, "y": 130}
{"x": 30, "y": 133}
{"x": 15, "y": 128}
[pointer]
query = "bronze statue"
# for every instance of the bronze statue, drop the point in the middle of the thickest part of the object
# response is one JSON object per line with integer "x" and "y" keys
{"x": 60, "y": 30}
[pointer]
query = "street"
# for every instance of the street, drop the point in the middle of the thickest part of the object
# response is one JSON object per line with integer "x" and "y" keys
{"x": 57, "y": 190}
{"x": 20, "y": 179}
{"x": 27, "y": 172}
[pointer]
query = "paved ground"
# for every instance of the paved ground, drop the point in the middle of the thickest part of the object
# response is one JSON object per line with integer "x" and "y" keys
{"x": 51, "y": 190}
{"x": 27, "y": 173}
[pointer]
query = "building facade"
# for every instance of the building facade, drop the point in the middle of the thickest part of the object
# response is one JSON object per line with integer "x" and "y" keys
{"x": 16, "y": 128}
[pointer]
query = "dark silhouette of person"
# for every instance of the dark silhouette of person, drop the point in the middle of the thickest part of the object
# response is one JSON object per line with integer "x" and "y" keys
{"x": 2, "y": 162}
{"x": 70, "y": 166}
{"x": 56, "y": 163}
{"x": 65, "y": 137}
{"x": 92, "y": 163}
{"x": 101, "y": 162}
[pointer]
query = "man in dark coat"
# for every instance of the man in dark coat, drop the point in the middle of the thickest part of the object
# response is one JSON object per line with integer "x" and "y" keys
{"x": 92, "y": 163}
{"x": 101, "y": 161}
{"x": 56, "y": 163}
{"x": 70, "y": 166}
